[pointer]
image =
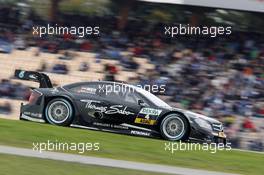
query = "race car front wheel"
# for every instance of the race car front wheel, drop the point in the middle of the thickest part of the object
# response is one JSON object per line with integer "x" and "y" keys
{"x": 59, "y": 112}
{"x": 174, "y": 127}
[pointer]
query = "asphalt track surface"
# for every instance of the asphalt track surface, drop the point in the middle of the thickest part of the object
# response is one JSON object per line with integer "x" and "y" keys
{"x": 106, "y": 162}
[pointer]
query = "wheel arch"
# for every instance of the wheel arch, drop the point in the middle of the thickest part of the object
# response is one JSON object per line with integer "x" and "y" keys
{"x": 179, "y": 113}
{"x": 65, "y": 97}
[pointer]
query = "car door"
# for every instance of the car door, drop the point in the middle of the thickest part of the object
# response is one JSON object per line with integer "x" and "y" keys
{"x": 89, "y": 103}
{"x": 134, "y": 102}
{"x": 118, "y": 109}
{"x": 146, "y": 113}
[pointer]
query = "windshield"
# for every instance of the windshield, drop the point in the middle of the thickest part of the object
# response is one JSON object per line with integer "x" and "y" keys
{"x": 157, "y": 101}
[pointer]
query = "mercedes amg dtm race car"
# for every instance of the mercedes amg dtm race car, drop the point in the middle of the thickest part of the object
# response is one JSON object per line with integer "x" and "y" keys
{"x": 98, "y": 105}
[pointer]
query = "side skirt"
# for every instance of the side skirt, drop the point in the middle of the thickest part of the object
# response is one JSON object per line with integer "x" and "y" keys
{"x": 121, "y": 129}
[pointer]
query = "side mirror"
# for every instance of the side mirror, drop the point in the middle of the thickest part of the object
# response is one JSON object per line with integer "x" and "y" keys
{"x": 141, "y": 103}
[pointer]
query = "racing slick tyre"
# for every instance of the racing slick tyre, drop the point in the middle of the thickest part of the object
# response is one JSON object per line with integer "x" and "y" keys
{"x": 174, "y": 127}
{"x": 59, "y": 112}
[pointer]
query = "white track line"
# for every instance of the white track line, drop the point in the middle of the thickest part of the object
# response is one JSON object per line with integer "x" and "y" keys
{"x": 249, "y": 151}
{"x": 106, "y": 162}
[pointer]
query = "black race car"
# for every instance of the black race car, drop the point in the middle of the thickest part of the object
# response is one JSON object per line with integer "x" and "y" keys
{"x": 128, "y": 109}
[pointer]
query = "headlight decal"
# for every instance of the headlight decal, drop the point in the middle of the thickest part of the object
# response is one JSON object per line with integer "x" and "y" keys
{"x": 203, "y": 123}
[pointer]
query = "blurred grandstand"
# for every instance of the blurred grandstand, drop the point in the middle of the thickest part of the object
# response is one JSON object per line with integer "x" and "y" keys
{"x": 221, "y": 77}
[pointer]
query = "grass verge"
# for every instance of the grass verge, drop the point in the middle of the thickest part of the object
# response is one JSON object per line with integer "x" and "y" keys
{"x": 23, "y": 134}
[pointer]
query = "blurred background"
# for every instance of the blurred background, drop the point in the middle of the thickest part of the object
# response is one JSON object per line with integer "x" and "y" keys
{"x": 221, "y": 77}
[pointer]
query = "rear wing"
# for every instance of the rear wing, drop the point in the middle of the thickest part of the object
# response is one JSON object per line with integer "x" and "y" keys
{"x": 41, "y": 78}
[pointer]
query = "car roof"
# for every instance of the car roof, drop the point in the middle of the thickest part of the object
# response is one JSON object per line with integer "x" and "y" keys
{"x": 97, "y": 82}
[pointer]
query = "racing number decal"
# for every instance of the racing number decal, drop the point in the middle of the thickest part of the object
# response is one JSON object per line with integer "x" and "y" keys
{"x": 147, "y": 116}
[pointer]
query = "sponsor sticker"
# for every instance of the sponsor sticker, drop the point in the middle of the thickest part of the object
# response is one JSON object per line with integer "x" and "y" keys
{"x": 87, "y": 90}
{"x": 145, "y": 121}
{"x": 108, "y": 125}
{"x": 32, "y": 114}
{"x": 114, "y": 109}
{"x": 54, "y": 91}
{"x": 150, "y": 111}
{"x": 32, "y": 77}
{"x": 140, "y": 133}
{"x": 148, "y": 116}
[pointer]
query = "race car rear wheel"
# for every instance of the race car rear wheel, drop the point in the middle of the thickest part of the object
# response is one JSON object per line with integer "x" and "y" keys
{"x": 174, "y": 127}
{"x": 59, "y": 112}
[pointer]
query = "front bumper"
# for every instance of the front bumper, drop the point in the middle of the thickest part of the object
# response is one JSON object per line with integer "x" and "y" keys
{"x": 208, "y": 136}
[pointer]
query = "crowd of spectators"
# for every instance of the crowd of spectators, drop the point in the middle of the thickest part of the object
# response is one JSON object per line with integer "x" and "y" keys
{"x": 13, "y": 90}
{"x": 221, "y": 77}
{"x": 5, "y": 108}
